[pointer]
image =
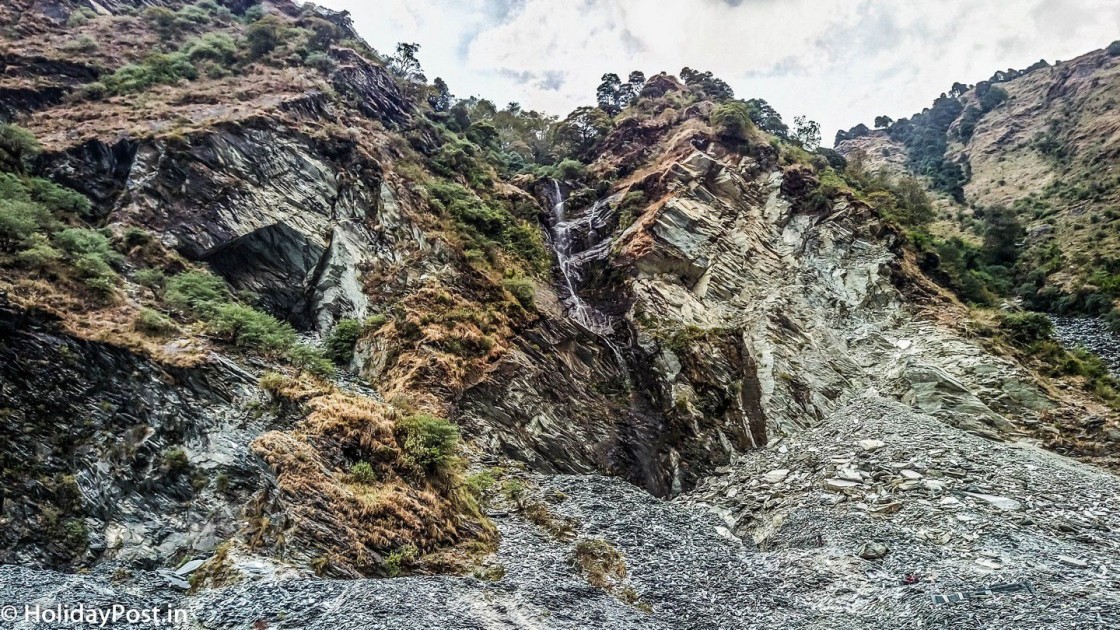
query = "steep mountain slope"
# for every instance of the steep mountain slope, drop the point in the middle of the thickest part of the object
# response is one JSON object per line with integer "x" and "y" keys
{"x": 275, "y": 313}
{"x": 1042, "y": 142}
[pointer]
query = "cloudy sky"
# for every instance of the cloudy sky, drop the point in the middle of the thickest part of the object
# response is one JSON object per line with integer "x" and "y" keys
{"x": 840, "y": 62}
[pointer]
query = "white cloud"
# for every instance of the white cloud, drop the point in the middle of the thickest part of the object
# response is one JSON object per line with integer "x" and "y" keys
{"x": 840, "y": 62}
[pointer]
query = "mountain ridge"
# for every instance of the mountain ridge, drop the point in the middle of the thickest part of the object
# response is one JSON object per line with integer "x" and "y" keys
{"x": 273, "y": 302}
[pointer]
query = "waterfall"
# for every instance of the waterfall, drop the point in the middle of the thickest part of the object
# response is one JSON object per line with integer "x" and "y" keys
{"x": 563, "y": 243}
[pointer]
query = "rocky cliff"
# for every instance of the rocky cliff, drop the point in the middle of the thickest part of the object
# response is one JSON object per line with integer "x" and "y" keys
{"x": 278, "y": 325}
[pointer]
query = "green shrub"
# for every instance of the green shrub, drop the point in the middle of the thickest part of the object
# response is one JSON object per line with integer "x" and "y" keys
{"x": 524, "y": 240}
{"x": 362, "y": 472}
{"x": 311, "y": 360}
{"x": 20, "y": 221}
{"x": 684, "y": 339}
{"x": 902, "y": 201}
{"x": 81, "y": 242}
{"x": 1024, "y": 329}
{"x": 263, "y": 36}
{"x": 272, "y": 382}
{"x": 151, "y": 278}
{"x": 196, "y": 14}
{"x": 92, "y": 266}
{"x": 486, "y": 219}
{"x": 480, "y": 484}
{"x": 163, "y": 19}
{"x": 134, "y": 237}
{"x": 157, "y": 69}
{"x": 83, "y": 44}
{"x": 467, "y": 208}
{"x": 170, "y": 24}
{"x": 153, "y": 323}
{"x": 374, "y": 322}
{"x": 176, "y": 462}
{"x": 485, "y": 225}
{"x": 217, "y": 47}
{"x": 514, "y": 491}
{"x": 80, "y": 16}
{"x": 13, "y": 188}
{"x": 430, "y": 443}
{"x": 396, "y": 560}
{"x": 571, "y": 169}
{"x": 521, "y": 289}
{"x": 247, "y": 327}
{"x": 95, "y": 273}
{"x": 57, "y": 198}
{"x": 69, "y": 535}
{"x": 39, "y": 254}
{"x": 629, "y": 208}
{"x": 77, "y": 535}
{"x": 731, "y": 121}
{"x": 196, "y": 292}
{"x": 962, "y": 267}
{"x": 321, "y": 62}
{"x": 252, "y": 14}
{"x": 92, "y": 255}
{"x": 460, "y": 157}
{"x": 18, "y": 147}
{"x": 340, "y": 343}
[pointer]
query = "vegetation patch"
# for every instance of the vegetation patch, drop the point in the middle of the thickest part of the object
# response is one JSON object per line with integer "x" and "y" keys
{"x": 339, "y": 346}
{"x": 485, "y": 226}
{"x": 154, "y": 323}
{"x": 603, "y": 566}
{"x": 599, "y": 562}
{"x": 1033, "y": 335}
{"x": 361, "y": 483}
{"x": 218, "y": 571}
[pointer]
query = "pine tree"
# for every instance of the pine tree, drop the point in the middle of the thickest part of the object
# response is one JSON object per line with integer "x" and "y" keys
{"x": 608, "y": 94}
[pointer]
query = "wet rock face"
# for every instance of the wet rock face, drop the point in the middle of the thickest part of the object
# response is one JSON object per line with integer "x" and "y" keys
{"x": 806, "y": 300}
{"x": 108, "y": 455}
{"x": 519, "y": 411}
{"x": 563, "y": 401}
{"x": 738, "y": 294}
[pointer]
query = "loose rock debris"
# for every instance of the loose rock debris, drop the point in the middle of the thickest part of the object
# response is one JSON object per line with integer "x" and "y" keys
{"x": 776, "y": 553}
{"x": 991, "y": 591}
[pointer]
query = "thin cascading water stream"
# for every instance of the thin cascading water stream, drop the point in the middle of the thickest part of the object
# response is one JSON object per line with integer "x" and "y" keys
{"x": 563, "y": 234}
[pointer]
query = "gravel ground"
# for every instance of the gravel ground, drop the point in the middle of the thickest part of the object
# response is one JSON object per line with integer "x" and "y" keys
{"x": 955, "y": 511}
{"x": 773, "y": 542}
{"x": 1091, "y": 334}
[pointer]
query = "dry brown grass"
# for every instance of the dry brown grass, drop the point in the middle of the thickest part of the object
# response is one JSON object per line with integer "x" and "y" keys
{"x": 352, "y": 525}
{"x": 560, "y": 527}
{"x": 600, "y": 563}
{"x": 443, "y": 343}
{"x": 603, "y": 566}
{"x": 218, "y": 571}
{"x": 172, "y": 109}
{"x": 81, "y": 317}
